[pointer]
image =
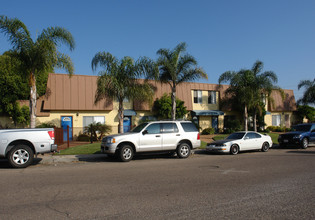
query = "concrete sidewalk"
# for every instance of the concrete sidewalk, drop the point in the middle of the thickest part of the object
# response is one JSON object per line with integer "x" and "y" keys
{"x": 54, "y": 159}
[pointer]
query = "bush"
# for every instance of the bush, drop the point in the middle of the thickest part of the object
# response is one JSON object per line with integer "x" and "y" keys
{"x": 232, "y": 126}
{"x": 208, "y": 131}
{"x": 83, "y": 137}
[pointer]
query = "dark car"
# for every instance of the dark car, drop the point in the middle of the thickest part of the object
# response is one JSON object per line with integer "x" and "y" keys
{"x": 302, "y": 135}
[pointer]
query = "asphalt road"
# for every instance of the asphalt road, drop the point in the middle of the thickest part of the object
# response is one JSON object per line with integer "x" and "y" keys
{"x": 279, "y": 184}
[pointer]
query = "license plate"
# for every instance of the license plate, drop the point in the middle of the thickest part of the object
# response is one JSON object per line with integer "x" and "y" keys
{"x": 285, "y": 141}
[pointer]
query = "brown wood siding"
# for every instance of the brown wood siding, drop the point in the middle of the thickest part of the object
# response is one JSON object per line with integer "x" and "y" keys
{"x": 78, "y": 93}
{"x": 73, "y": 93}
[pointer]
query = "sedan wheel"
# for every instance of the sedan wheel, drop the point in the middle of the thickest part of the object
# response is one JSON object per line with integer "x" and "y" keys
{"x": 265, "y": 147}
{"x": 234, "y": 150}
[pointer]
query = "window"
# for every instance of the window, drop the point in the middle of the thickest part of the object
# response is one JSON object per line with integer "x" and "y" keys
{"x": 276, "y": 120}
{"x": 87, "y": 120}
{"x": 189, "y": 127}
{"x": 250, "y": 136}
{"x": 154, "y": 129}
{"x": 212, "y": 97}
{"x": 169, "y": 128}
{"x": 197, "y": 96}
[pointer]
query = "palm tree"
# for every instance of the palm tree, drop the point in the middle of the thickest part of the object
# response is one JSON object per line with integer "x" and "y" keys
{"x": 119, "y": 80}
{"x": 240, "y": 89}
{"x": 309, "y": 94}
{"x": 247, "y": 86}
{"x": 173, "y": 67}
{"x": 39, "y": 56}
{"x": 263, "y": 85}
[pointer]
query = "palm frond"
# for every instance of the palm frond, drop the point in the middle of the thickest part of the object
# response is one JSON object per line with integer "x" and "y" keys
{"x": 16, "y": 31}
{"x": 58, "y": 35}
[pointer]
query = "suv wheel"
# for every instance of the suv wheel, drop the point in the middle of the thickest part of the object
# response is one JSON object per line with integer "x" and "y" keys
{"x": 304, "y": 143}
{"x": 126, "y": 153}
{"x": 21, "y": 156}
{"x": 183, "y": 150}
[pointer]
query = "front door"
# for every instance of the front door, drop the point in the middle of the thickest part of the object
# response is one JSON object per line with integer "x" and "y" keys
{"x": 151, "y": 139}
{"x": 65, "y": 122}
{"x": 215, "y": 123}
{"x": 127, "y": 123}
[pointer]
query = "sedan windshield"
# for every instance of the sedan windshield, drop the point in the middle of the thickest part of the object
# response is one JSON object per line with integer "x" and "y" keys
{"x": 139, "y": 128}
{"x": 237, "y": 135}
{"x": 302, "y": 128}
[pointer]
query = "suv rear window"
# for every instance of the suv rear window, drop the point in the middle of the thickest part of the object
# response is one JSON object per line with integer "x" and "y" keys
{"x": 169, "y": 128}
{"x": 189, "y": 127}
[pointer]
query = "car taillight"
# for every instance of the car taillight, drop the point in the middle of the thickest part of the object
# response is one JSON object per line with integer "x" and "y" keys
{"x": 51, "y": 135}
{"x": 198, "y": 136}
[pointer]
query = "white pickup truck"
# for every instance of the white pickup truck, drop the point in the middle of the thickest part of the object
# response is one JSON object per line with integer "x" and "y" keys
{"x": 20, "y": 145}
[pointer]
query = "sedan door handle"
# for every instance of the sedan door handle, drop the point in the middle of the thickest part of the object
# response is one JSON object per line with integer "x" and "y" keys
{"x": 157, "y": 136}
{"x": 178, "y": 135}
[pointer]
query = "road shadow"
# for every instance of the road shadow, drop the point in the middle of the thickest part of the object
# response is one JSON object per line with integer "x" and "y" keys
{"x": 302, "y": 152}
{"x": 4, "y": 163}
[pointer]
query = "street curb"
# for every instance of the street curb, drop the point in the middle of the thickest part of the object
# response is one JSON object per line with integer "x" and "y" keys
{"x": 54, "y": 159}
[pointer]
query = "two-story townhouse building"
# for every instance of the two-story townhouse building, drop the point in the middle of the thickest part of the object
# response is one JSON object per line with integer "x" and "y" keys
{"x": 70, "y": 101}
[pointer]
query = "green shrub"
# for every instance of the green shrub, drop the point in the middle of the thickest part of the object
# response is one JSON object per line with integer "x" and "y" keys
{"x": 208, "y": 131}
{"x": 232, "y": 126}
{"x": 83, "y": 137}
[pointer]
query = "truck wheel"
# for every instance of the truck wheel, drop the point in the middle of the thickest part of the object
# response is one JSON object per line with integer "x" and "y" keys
{"x": 183, "y": 150}
{"x": 304, "y": 143}
{"x": 21, "y": 156}
{"x": 126, "y": 153}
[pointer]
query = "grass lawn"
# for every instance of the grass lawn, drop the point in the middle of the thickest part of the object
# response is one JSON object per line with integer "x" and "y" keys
{"x": 93, "y": 149}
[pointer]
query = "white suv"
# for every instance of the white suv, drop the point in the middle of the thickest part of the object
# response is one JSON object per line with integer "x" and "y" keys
{"x": 168, "y": 136}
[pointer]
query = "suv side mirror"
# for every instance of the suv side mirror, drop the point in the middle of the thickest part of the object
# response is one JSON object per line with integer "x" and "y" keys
{"x": 145, "y": 132}
{"x": 313, "y": 131}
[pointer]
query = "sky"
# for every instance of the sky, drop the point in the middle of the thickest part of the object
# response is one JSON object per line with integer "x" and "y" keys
{"x": 223, "y": 35}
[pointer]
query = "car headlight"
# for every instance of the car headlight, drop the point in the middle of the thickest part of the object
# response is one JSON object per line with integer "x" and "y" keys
{"x": 111, "y": 140}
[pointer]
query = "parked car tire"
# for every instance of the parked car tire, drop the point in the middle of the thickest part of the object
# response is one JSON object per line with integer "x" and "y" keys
{"x": 183, "y": 150}
{"x": 20, "y": 156}
{"x": 265, "y": 147}
{"x": 126, "y": 153}
{"x": 304, "y": 143}
{"x": 234, "y": 149}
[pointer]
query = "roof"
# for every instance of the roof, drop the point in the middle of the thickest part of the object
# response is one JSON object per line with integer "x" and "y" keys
{"x": 78, "y": 93}
{"x": 282, "y": 104}
{"x": 207, "y": 112}
{"x": 73, "y": 93}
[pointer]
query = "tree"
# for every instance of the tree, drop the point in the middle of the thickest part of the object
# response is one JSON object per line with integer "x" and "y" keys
{"x": 39, "y": 56}
{"x": 163, "y": 107}
{"x": 119, "y": 80}
{"x": 240, "y": 89}
{"x": 247, "y": 87}
{"x": 305, "y": 111}
{"x": 262, "y": 86}
{"x": 309, "y": 94}
{"x": 173, "y": 67}
{"x": 95, "y": 128}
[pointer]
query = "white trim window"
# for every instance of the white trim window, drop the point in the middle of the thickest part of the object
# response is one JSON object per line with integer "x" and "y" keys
{"x": 87, "y": 120}
{"x": 212, "y": 97}
{"x": 276, "y": 120}
{"x": 198, "y": 96}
